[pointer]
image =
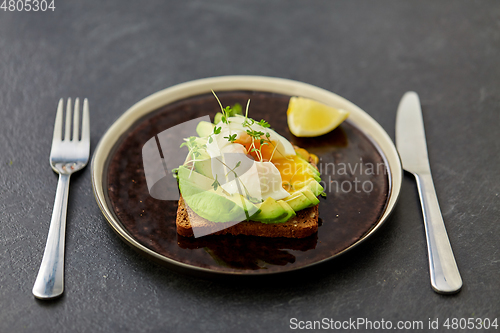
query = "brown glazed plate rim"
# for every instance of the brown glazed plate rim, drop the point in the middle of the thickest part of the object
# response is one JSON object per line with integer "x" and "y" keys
{"x": 359, "y": 118}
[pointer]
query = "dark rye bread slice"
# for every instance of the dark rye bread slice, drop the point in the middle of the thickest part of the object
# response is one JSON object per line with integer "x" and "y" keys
{"x": 300, "y": 226}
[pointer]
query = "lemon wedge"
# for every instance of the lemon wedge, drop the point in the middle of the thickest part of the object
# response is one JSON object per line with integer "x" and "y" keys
{"x": 307, "y": 118}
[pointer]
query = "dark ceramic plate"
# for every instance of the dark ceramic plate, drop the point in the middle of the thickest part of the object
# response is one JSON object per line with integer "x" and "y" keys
{"x": 360, "y": 168}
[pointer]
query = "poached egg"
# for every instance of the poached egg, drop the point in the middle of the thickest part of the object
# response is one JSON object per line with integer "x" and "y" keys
{"x": 244, "y": 163}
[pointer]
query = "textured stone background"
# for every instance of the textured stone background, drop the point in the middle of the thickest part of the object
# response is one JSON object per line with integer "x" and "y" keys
{"x": 117, "y": 52}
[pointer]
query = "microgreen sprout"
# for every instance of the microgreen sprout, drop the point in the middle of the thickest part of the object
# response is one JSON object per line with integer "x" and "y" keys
{"x": 231, "y": 138}
{"x": 255, "y": 134}
{"x": 216, "y": 131}
{"x": 263, "y": 123}
{"x": 194, "y": 151}
{"x": 226, "y": 111}
{"x": 215, "y": 184}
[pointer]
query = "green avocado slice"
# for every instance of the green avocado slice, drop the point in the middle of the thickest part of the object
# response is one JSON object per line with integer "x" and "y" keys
{"x": 202, "y": 182}
{"x": 270, "y": 211}
{"x": 203, "y": 165}
{"x": 309, "y": 168}
{"x": 213, "y": 204}
{"x": 310, "y": 195}
{"x": 218, "y": 117}
{"x": 298, "y": 201}
{"x": 204, "y": 128}
{"x": 214, "y": 207}
{"x": 312, "y": 184}
{"x": 313, "y": 171}
{"x": 290, "y": 212}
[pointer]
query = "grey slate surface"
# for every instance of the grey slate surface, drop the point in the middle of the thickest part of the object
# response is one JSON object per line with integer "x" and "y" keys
{"x": 117, "y": 52}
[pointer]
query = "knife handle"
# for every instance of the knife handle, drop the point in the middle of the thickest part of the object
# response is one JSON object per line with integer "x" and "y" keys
{"x": 445, "y": 277}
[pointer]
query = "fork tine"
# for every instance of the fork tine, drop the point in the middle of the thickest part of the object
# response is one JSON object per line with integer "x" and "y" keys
{"x": 67, "y": 128}
{"x": 76, "y": 119}
{"x": 85, "y": 122}
{"x": 59, "y": 122}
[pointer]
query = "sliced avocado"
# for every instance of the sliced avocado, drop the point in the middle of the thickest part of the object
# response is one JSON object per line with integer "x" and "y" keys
{"x": 315, "y": 172}
{"x": 218, "y": 117}
{"x": 250, "y": 208}
{"x": 310, "y": 195}
{"x": 270, "y": 211}
{"x": 204, "y": 128}
{"x": 203, "y": 164}
{"x": 310, "y": 169}
{"x": 204, "y": 167}
{"x": 312, "y": 184}
{"x": 290, "y": 212}
{"x": 199, "y": 193}
{"x": 212, "y": 206}
{"x": 202, "y": 182}
{"x": 298, "y": 201}
{"x": 236, "y": 110}
{"x": 315, "y": 187}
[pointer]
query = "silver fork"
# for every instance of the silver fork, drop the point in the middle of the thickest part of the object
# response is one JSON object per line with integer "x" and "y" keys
{"x": 67, "y": 155}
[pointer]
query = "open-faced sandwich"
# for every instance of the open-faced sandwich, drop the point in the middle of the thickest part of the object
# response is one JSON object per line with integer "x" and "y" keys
{"x": 240, "y": 177}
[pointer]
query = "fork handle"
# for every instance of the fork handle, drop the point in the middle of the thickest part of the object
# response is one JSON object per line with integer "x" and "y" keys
{"x": 445, "y": 277}
{"x": 50, "y": 280}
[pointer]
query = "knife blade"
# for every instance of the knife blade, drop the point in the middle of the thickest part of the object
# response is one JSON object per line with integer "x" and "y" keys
{"x": 412, "y": 148}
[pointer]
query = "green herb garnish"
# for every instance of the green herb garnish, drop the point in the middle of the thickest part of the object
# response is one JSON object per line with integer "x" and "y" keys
{"x": 263, "y": 123}
{"x": 215, "y": 184}
{"x": 231, "y": 138}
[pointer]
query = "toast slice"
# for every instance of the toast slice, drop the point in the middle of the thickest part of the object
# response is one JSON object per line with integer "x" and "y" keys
{"x": 300, "y": 226}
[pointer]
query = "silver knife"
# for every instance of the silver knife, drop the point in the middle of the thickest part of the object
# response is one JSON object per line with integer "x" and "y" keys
{"x": 411, "y": 144}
